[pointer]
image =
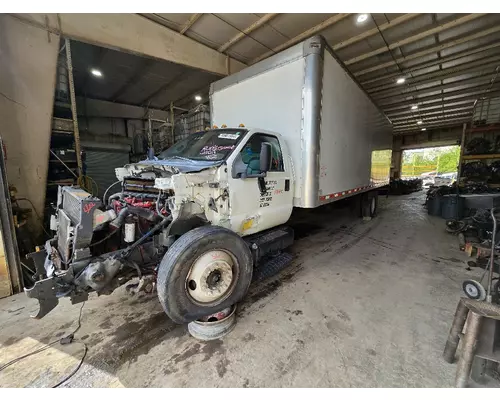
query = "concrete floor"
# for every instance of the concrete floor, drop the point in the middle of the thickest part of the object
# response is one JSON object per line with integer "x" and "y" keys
{"x": 365, "y": 304}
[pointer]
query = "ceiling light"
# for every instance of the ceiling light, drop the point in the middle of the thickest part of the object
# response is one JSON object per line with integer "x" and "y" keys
{"x": 362, "y": 18}
{"x": 414, "y": 107}
{"x": 96, "y": 72}
{"x": 424, "y": 129}
{"x": 400, "y": 81}
{"x": 197, "y": 97}
{"x": 419, "y": 122}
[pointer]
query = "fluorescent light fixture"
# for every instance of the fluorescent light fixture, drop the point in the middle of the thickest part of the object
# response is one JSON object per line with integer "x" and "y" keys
{"x": 400, "y": 81}
{"x": 414, "y": 107}
{"x": 96, "y": 72}
{"x": 424, "y": 129}
{"x": 419, "y": 122}
{"x": 197, "y": 97}
{"x": 362, "y": 18}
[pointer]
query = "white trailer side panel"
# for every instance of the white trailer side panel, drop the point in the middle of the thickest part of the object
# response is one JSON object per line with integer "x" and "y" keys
{"x": 271, "y": 101}
{"x": 351, "y": 128}
{"x": 338, "y": 139}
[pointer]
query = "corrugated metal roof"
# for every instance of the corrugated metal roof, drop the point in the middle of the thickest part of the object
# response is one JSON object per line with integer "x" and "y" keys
{"x": 448, "y": 60}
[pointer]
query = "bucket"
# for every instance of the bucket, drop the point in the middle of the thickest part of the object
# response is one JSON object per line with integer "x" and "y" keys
{"x": 434, "y": 206}
{"x": 452, "y": 207}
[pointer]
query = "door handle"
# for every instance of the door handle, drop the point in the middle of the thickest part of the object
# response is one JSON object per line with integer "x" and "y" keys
{"x": 287, "y": 185}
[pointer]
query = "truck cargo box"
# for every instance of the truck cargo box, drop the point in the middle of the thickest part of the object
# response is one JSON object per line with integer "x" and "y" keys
{"x": 340, "y": 142}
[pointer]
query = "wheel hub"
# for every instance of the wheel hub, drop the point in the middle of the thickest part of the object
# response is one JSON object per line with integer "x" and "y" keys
{"x": 213, "y": 279}
{"x": 471, "y": 290}
{"x": 210, "y": 276}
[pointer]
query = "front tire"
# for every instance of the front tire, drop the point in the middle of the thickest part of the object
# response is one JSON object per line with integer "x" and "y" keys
{"x": 206, "y": 270}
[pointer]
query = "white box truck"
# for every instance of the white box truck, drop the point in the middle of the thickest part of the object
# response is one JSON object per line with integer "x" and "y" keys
{"x": 198, "y": 219}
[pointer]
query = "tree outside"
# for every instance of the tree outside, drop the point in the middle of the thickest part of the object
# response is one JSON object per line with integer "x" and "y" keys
{"x": 440, "y": 160}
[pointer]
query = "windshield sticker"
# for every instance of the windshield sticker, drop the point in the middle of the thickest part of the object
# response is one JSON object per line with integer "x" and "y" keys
{"x": 215, "y": 149}
{"x": 232, "y": 136}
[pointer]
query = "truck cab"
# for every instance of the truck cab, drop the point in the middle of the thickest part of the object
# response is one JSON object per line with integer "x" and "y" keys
{"x": 246, "y": 193}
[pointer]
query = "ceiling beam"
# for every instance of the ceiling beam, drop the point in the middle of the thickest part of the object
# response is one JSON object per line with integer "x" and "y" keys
{"x": 419, "y": 115}
{"x": 240, "y": 35}
{"x": 460, "y": 69}
{"x": 429, "y": 64}
{"x": 134, "y": 34}
{"x": 188, "y": 100}
{"x": 443, "y": 45}
{"x": 434, "y": 107}
{"x": 398, "y": 110}
{"x": 432, "y": 119}
{"x": 438, "y": 124}
{"x": 374, "y": 31}
{"x": 189, "y": 23}
{"x": 414, "y": 38}
{"x": 304, "y": 35}
{"x": 412, "y": 91}
{"x": 476, "y": 92}
{"x": 134, "y": 78}
{"x": 164, "y": 87}
{"x": 478, "y": 83}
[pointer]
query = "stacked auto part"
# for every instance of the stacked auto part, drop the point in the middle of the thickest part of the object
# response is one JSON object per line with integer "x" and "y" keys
{"x": 404, "y": 186}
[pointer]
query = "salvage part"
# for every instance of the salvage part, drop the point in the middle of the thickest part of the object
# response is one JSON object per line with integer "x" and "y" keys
{"x": 474, "y": 290}
{"x": 207, "y": 244}
{"x": 214, "y": 326}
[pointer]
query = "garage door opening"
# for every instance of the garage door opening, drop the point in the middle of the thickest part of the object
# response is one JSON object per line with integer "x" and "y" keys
{"x": 434, "y": 165}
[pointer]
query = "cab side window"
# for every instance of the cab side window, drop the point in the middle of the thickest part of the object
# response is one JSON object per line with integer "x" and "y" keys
{"x": 250, "y": 154}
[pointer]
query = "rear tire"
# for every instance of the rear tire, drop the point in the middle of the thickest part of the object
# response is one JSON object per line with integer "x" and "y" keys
{"x": 206, "y": 270}
{"x": 369, "y": 204}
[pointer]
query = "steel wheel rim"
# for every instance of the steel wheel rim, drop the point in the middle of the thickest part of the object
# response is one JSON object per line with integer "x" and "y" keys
{"x": 471, "y": 290}
{"x": 212, "y": 276}
{"x": 372, "y": 206}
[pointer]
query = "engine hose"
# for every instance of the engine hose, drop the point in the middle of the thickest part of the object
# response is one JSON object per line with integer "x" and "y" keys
{"x": 107, "y": 190}
{"x": 125, "y": 252}
{"x": 120, "y": 219}
{"x": 158, "y": 211}
{"x": 148, "y": 215}
{"x": 113, "y": 196}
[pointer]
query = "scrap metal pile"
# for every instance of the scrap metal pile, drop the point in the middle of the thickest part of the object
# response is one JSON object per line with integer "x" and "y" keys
{"x": 405, "y": 186}
{"x": 480, "y": 145}
{"x": 480, "y": 171}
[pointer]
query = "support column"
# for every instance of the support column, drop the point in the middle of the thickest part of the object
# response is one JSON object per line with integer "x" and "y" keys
{"x": 28, "y": 59}
{"x": 397, "y": 157}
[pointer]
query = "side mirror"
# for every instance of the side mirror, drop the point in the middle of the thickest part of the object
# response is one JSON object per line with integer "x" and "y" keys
{"x": 265, "y": 157}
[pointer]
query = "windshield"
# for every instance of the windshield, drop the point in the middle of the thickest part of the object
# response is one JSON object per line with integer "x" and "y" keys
{"x": 213, "y": 145}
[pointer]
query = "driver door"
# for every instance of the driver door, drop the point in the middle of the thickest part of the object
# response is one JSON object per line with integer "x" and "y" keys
{"x": 251, "y": 210}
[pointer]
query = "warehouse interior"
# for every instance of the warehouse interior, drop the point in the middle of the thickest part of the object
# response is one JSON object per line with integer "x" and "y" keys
{"x": 364, "y": 302}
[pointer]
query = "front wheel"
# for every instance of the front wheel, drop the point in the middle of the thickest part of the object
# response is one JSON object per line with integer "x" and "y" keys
{"x": 206, "y": 270}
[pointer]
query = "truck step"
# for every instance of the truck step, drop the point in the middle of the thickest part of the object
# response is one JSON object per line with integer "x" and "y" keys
{"x": 271, "y": 266}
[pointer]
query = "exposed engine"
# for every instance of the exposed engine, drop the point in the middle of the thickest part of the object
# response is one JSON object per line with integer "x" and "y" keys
{"x": 100, "y": 245}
